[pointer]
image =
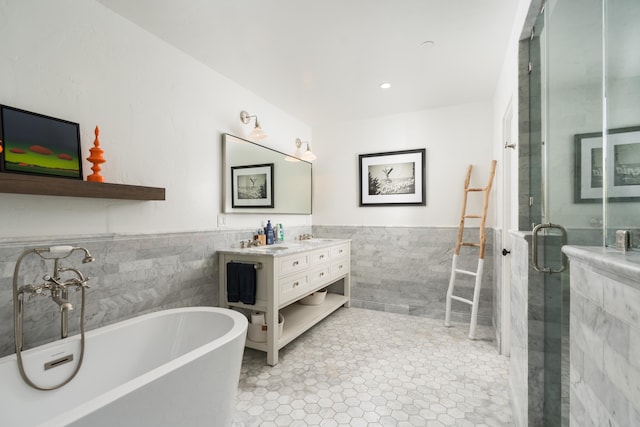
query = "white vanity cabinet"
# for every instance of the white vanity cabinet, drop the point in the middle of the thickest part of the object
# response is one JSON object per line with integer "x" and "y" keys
{"x": 286, "y": 273}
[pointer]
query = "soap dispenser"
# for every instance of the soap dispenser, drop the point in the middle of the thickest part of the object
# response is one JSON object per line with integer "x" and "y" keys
{"x": 270, "y": 233}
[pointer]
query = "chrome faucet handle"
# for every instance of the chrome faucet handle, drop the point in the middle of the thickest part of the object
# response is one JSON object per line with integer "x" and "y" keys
{"x": 32, "y": 290}
{"x": 53, "y": 280}
{"x": 79, "y": 284}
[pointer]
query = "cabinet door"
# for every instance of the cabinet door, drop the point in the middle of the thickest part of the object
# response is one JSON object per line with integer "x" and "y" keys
{"x": 320, "y": 276}
{"x": 292, "y": 287}
{"x": 340, "y": 268}
{"x": 320, "y": 256}
{"x": 340, "y": 251}
{"x": 294, "y": 263}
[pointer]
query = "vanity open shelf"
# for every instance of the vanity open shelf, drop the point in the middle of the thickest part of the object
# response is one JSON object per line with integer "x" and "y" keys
{"x": 283, "y": 278}
{"x": 52, "y": 186}
{"x": 299, "y": 318}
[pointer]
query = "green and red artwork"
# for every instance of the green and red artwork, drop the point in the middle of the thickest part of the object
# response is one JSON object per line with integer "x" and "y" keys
{"x": 38, "y": 144}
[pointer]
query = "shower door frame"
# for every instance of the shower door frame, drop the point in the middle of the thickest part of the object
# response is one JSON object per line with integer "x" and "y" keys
{"x": 545, "y": 308}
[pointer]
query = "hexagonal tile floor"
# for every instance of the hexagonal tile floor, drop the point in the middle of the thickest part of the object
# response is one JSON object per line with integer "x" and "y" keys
{"x": 369, "y": 368}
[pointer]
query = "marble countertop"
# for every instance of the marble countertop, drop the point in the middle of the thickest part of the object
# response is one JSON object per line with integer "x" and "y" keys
{"x": 608, "y": 261}
{"x": 285, "y": 248}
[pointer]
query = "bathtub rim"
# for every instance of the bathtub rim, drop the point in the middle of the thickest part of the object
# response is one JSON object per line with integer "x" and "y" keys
{"x": 238, "y": 328}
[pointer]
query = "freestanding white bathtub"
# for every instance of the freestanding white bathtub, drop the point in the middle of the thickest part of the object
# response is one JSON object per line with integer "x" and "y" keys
{"x": 176, "y": 367}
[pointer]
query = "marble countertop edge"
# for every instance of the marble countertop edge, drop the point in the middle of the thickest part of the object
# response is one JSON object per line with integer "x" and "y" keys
{"x": 608, "y": 261}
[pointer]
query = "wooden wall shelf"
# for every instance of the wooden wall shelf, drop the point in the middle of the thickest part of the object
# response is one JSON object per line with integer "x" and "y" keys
{"x": 52, "y": 186}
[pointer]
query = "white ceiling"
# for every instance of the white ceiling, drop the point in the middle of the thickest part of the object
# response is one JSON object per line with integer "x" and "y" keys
{"x": 324, "y": 60}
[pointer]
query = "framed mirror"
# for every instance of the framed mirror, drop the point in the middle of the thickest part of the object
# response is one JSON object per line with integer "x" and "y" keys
{"x": 257, "y": 179}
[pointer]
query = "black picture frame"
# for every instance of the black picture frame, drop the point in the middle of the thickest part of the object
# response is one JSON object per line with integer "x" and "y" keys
{"x": 622, "y": 168}
{"x": 252, "y": 186}
{"x": 407, "y": 186}
{"x": 36, "y": 144}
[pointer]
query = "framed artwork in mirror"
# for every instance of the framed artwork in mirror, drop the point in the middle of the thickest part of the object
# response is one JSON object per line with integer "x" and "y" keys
{"x": 252, "y": 186}
{"x": 622, "y": 167}
{"x": 396, "y": 178}
{"x": 40, "y": 145}
{"x": 291, "y": 180}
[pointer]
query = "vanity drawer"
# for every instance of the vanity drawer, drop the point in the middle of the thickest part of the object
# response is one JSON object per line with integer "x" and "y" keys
{"x": 340, "y": 251}
{"x": 292, "y": 287}
{"x": 294, "y": 263}
{"x": 340, "y": 268}
{"x": 320, "y": 256}
{"x": 320, "y": 276}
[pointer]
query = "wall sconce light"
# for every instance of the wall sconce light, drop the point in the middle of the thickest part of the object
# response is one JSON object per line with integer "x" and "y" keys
{"x": 307, "y": 155}
{"x": 257, "y": 132}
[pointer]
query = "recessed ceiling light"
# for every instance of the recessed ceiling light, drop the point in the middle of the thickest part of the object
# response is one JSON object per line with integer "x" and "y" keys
{"x": 385, "y": 85}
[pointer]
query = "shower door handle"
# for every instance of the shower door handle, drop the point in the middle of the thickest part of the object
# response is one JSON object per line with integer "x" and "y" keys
{"x": 534, "y": 248}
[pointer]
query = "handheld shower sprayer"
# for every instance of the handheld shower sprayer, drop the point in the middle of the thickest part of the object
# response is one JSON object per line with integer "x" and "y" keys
{"x": 63, "y": 251}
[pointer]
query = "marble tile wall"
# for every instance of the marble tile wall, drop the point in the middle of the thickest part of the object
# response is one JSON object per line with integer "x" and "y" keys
{"x": 132, "y": 275}
{"x": 526, "y": 371}
{"x": 394, "y": 269}
{"x": 605, "y": 338}
{"x": 497, "y": 287}
{"x": 406, "y": 269}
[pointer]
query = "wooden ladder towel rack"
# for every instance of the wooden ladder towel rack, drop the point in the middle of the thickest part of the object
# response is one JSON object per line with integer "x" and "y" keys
{"x": 481, "y": 245}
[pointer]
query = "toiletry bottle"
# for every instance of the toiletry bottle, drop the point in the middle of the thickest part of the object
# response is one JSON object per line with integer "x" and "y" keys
{"x": 270, "y": 235}
{"x": 281, "y": 234}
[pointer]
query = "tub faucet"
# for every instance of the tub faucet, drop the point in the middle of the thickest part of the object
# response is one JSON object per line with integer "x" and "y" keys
{"x": 59, "y": 288}
{"x": 63, "y": 303}
{"x": 60, "y": 291}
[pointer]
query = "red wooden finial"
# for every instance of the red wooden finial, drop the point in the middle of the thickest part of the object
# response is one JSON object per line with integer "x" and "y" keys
{"x": 96, "y": 158}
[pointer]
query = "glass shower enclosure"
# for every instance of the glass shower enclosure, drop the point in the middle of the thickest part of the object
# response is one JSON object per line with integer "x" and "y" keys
{"x": 583, "y": 158}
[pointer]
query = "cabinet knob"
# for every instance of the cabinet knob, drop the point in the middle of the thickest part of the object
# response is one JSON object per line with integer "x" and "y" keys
{"x": 295, "y": 284}
{"x": 321, "y": 256}
{"x": 322, "y": 274}
{"x": 295, "y": 263}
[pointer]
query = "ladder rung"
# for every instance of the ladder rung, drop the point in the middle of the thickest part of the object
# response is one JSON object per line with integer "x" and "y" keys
{"x": 467, "y": 272}
{"x": 475, "y": 189}
{"x": 462, "y": 299}
{"x": 476, "y": 245}
{"x": 473, "y": 216}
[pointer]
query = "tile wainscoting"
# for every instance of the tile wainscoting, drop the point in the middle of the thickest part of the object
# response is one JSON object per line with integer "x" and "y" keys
{"x": 406, "y": 269}
{"x": 395, "y": 269}
{"x": 605, "y": 337}
{"x": 526, "y": 361}
{"x": 131, "y": 275}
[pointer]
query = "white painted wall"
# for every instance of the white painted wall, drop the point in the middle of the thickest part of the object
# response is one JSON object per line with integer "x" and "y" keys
{"x": 161, "y": 115}
{"x": 454, "y": 136}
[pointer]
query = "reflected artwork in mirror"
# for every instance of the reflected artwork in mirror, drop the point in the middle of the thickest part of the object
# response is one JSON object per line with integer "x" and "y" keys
{"x": 252, "y": 186}
{"x": 287, "y": 180}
